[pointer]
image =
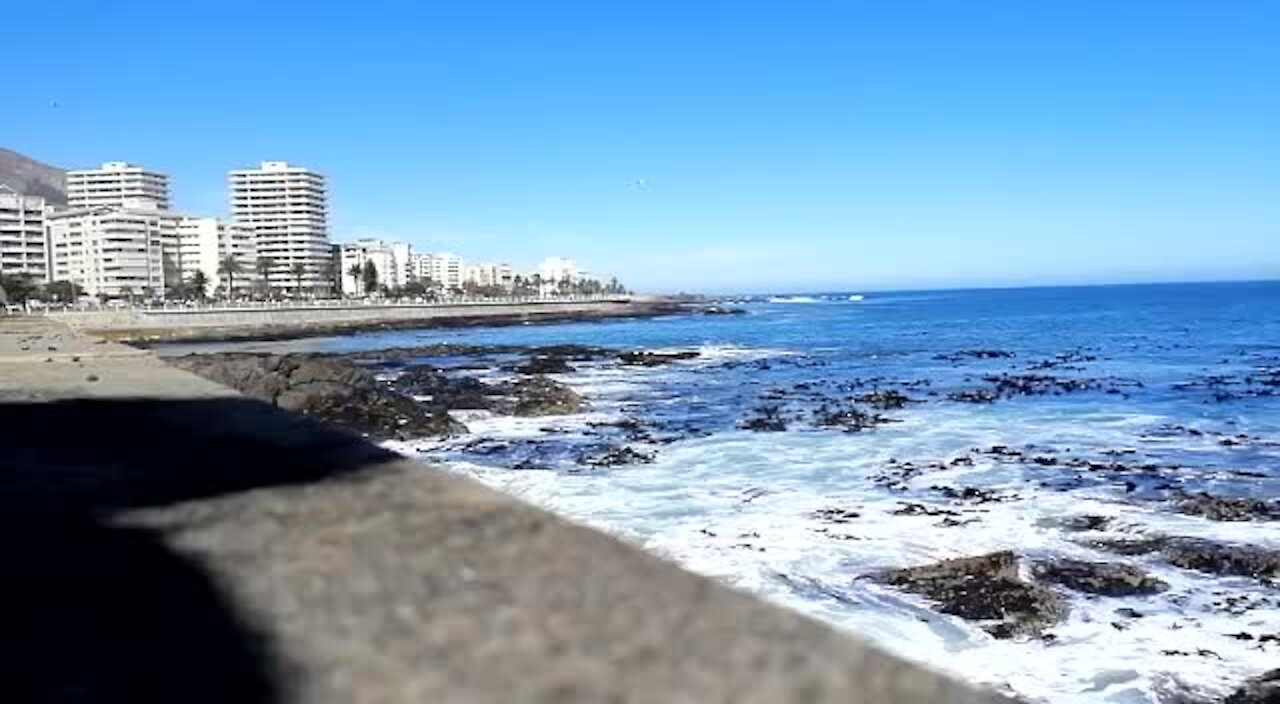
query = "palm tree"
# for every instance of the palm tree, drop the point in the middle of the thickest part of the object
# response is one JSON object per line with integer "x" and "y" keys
{"x": 229, "y": 267}
{"x": 264, "y": 265}
{"x": 199, "y": 284}
{"x": 298, "y": 270}
{"x": 355, "y": 272}
{"x": 327, "y": 275}
{"x": 370, "y": 277}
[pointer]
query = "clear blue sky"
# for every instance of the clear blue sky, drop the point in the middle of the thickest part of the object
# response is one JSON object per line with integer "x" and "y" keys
{"x": 703, "y": 145}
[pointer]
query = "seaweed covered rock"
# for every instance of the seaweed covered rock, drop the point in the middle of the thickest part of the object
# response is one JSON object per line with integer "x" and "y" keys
{"x": 540, "y": 396}
{"x": 985, "y": 588}
{"x": 1204, "y": 555}
{"x": 655, "y": 359}
{"x": 442, "y": 391}
{"x": 1107, "y": 579}
{"x": 1228, "y": 508}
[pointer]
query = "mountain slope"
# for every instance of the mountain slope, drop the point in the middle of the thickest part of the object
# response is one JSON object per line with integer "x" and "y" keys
{"x": 26, "y": 175}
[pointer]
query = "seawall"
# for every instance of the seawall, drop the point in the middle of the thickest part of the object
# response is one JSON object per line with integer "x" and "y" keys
{"x": 290, "y": 321}
{"x": 180, "y": 542}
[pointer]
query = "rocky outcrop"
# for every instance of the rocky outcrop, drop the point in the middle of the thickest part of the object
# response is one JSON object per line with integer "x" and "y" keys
{"x": 986, "y": 588}
{"x": 327, "y": 390}
{"x": 1085, "y": 523}
{"x": 1227, "y": 508}
{"x": 1264, "y": 689}
{"x": 545, "y": 364}
{"x": 1204, "y": 555}
{"x": 539, "y": 396}
{"x": 1103, "y": 578}
{"x": 656, "y": 359}
{"x": 441, "y": 391}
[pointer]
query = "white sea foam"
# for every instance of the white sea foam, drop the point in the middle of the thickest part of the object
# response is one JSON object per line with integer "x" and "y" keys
{"x": 739, "y": 506}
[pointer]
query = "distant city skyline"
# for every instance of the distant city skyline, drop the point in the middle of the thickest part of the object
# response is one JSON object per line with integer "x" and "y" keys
{"x": 752, "y": 147}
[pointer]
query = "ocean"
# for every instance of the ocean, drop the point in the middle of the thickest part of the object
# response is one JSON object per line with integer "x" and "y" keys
{"x": 776, "y": 462}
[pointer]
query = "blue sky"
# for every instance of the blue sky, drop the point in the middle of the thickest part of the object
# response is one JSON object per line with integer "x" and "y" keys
{"x": 704, "y": 145}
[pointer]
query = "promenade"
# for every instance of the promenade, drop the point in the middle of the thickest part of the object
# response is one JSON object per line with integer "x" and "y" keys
{"x": 290, "y": 319}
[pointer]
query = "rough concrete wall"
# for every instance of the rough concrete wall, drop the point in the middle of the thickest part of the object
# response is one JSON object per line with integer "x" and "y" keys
{"x": 106, "y": 320}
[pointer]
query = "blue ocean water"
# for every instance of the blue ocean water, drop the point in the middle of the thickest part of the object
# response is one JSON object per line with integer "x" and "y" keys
{"x": 1119, "y": 401}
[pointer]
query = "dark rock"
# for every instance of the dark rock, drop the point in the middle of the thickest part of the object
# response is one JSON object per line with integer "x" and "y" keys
{"x": 1223, "y": 508}
{"x": 985, "y": 588}
{"x": 540, "y": 396}
{"x": 1203, "y": 555}
{"x": 545, "y": 364}
{"x": 972, "y": 396}
{"x": 974, "y": 354}
{"x": 849, "y": 418}
{"x": 618, "y": 456}
{"x": 1263, "y": 689}
{"x": 445, "y": 392}
{"x": 329, "y": 390}
{"x": 885, "y": 400}
{"x": 1080, "y": 524}
{"x": 722, "y": 310}
{"x": 1102, "y": 578}
{"x": 908, "y": 508}
{"x": 835, "y": 515}
{"x": 655, "y": 359}
{"x": 972, "y": 493}
{"x": 768, "y": 419}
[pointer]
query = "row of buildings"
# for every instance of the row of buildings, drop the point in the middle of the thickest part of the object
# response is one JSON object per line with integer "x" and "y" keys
{"x": 397, "y": 265}
{"x": 118, "y": 236}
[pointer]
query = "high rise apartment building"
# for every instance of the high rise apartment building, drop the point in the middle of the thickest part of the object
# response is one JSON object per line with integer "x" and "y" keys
{"x": 118, "y": 184}
{"x": 286, "y": 208}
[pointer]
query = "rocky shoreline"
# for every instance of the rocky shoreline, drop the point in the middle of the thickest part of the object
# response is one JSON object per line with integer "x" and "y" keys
{"x": 413, "y": 393}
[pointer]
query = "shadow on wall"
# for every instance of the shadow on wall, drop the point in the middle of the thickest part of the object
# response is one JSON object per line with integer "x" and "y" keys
{"x": 92, "y": 611}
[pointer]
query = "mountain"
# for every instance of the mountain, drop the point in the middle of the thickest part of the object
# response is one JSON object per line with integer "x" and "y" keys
{"x": 26, "y": 175}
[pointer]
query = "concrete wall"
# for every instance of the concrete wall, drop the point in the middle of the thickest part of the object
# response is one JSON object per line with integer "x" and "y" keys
{"x": 289, "y": 316}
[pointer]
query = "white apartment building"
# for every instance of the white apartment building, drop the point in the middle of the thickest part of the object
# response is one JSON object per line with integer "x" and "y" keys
{"x": 286, "y": 208}
{"x": 553, "y": 270}
{"x": 391, "y": 260}
{"x": 443, "y": 269}
{"x": 203, "y": 244}
{"x": 112, "y": 251}
{"x": 489, "y": 274}
{"x": 419, "y": 267}
{"x": 22, "y": 237}
{"x": 118, "y": 184}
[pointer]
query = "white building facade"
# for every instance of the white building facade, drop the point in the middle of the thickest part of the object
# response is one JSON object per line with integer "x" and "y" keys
{"x": 287, "y": 209}
{"x": 118, "y": 184}
{"x": 113, "y": 252}
{"x": 489, "y": 274}
{"x": 555, "y": 271}
{"x": 391, "y": 260}
{"x": 203, "y": 244}
{"x": 22, "y": 235}
{"x": 446, "y": 270}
